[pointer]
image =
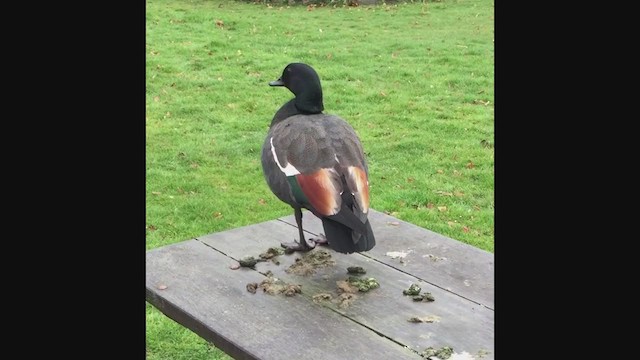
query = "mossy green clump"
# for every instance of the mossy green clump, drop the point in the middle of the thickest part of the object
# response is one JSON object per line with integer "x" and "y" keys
{"x": 426, "y": 297}
{"x": 443, "y": 353}
{"x": 248, "y": 261}
{"x": 274, "y": 286}
{"x": 319, "y": 258}
{"x": 413, "y": 290}
{"x": 356, "y": 270}
{"x": 309, "y": 262}
{"x": 271, "y": 252}
{"x": 364, "y": 285}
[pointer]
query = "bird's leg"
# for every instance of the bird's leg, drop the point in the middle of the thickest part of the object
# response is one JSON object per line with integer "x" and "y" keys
{"x": 302, "y": 245}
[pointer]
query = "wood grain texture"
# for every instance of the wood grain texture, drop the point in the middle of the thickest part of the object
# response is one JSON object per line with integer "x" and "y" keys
{"x": 463, "y": 325}
{"x": 444, "y": 262}
{"x": 205, "y": 295}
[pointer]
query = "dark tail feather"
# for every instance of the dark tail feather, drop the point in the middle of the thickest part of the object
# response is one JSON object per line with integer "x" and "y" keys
{"x": 364, "y": 242}
{"x": 344, "y": 240}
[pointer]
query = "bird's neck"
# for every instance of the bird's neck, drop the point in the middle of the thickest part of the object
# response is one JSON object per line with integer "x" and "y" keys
{"x": 285, "y": 111}
{"x": 296, "y": 106}
{"x": 310, "y": 101}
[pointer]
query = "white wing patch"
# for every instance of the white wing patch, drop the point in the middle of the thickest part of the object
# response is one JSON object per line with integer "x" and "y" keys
{"x": 289, "y": 170}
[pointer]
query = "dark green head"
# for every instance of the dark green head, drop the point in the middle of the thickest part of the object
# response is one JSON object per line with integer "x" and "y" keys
{"x": 303, "y": 81}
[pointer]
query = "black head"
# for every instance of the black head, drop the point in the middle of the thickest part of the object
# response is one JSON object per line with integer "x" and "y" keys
{"x": 303, "y": 81}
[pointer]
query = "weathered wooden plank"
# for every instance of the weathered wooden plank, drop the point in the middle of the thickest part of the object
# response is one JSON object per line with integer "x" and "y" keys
{"x": 204, "y": 295}
{"x": 463, "y": 324}
{"x": 437, "y": 259}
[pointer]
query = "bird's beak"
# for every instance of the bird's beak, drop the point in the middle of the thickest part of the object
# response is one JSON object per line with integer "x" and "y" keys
{"x": 278, "y": 82}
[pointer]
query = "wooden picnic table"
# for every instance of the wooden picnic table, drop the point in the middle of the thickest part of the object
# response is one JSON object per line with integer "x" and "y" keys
{"x": 193, "y": 283}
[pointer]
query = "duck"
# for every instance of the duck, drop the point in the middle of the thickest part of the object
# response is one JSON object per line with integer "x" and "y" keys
{"x": 315, "y": 161}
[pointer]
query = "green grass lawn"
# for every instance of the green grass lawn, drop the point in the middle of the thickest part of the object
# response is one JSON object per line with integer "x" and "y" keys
{"x": 414, "y": 79}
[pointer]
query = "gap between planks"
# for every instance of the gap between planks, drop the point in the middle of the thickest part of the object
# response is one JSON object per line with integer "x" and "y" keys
{"x": 400, "y": 270}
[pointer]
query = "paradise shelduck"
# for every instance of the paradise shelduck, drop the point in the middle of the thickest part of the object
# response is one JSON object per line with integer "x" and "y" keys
{"x": 315, "y": 161}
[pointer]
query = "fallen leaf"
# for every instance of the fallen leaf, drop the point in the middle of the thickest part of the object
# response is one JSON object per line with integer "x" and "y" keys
{"x": 156, "y": 192}
{"x": 152, "y": 228}
{"x": 262, "y": 202}
{"x": 458, "y": 193}
{"x": 442, "y": 208}
{"x": 220, "y": 23}
{"x": 162, "y": 287}
{"x": 444, "y": 193}
{"x": 382, "y": 93}
{"x": 329, "y": 56}
{"x": 195, "y": 165}
{"x": 465, "y": 229}
{"x": 234, "y": 266}
{"x": 394, "y": 223}
{"x": 470, "y": 165}
{"x": 430, "y": 206}
{"x": 156, "y": 98}
{"x": 217, "y": 214}
{"x": 440, "y": 171}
